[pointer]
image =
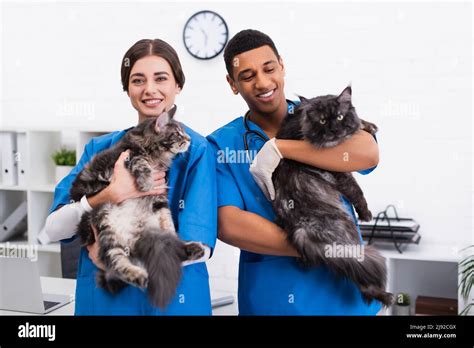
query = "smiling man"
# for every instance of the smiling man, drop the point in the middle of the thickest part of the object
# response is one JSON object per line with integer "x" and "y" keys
{"x": 271, "y": 282}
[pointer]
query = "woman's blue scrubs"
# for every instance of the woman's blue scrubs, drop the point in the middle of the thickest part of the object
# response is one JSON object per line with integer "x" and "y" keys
{"x": 276, "y": 285}
{"x": 192, "y": 196}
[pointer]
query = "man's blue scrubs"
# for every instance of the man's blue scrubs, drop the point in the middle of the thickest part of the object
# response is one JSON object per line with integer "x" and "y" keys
{"x": 276, "y": 285}
{"x": 192, "y": 196}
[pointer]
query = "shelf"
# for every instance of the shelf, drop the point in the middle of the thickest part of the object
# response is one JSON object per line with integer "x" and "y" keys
{"x": 37, "y": 185}
{"x": 38, "y": 188}
{"x": 42, "y": 188}
{"x": 12, "y": 188}
{"x": 421, "y": 252}
{"x": 53, "y": 247}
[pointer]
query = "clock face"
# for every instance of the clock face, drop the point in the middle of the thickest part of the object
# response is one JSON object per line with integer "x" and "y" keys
{"x": 205, "y": 34}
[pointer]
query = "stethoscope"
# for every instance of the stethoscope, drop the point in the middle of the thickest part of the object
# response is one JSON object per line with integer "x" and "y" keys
{"x": 249, "y": 131}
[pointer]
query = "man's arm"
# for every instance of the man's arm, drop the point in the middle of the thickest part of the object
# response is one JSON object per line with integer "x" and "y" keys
{"x": 251, "y": 232}
{"x": 359, "y": 152}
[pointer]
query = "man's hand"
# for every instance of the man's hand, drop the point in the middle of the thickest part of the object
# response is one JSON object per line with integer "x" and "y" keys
{"x": 263, "y": 166}
{"x": 93, "y": 250}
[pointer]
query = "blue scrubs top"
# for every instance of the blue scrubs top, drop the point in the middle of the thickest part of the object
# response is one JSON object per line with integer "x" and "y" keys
{"x": 192, "y": 197}
{"x": 276, "y": 285}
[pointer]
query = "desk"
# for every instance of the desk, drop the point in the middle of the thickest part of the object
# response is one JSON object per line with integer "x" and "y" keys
{"x": 63, "y": 286}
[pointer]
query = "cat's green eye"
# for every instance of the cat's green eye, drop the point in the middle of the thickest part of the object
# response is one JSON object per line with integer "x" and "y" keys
{"x": 340, "y": 117}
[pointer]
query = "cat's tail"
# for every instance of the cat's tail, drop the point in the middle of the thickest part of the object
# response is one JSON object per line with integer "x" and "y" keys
{"x": 368, "y": 271}
{"x": 375, "y": 266}
{"x": 162, "y": 254}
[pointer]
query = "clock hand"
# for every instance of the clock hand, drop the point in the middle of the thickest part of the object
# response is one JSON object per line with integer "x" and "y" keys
{"x": 205, "y": 37}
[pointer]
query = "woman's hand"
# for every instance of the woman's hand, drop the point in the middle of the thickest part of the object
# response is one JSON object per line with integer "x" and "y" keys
{"x": 123, "y": 187}
{"x": 93, "y": 250}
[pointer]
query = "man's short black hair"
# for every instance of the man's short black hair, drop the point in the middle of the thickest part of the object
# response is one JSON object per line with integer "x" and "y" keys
{"x": 244, "y": 41}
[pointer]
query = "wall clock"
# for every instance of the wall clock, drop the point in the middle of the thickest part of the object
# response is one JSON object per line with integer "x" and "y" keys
{"x": 205, "y": 34}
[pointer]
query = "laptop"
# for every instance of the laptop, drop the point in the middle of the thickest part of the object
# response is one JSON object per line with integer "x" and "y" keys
{"x": 20, "y": 288}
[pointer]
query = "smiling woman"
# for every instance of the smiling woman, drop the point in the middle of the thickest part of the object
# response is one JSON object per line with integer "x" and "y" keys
{"x": 152, "y": 77}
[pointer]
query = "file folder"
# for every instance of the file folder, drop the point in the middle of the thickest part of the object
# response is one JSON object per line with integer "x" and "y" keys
{"x": 15, "y": 223}
{"x": 9, "y": 165}
{"x": 21, "y": 158}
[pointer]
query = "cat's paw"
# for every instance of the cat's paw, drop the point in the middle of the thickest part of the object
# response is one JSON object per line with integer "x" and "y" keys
{"x": 194, "y": 250}
{"x": 136, "y": 276}
{"x": 109, "y": 283}
{"x": 365, "y": 215}
{"x": 369, "y": 127}
{"x": 144, "y": 184}
{"x": 371, "y": 293}
{"x": 140, "y": 279}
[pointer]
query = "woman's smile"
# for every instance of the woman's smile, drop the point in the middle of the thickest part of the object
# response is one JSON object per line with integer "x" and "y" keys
{"x": 152, "y": 102}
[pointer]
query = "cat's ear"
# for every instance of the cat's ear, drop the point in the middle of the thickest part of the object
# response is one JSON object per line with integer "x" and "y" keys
{"x": 302, "y": 99}
{"x": 345, "y": 96}
{"x": 172, "y": 111}
{"x": 161, "y": 121}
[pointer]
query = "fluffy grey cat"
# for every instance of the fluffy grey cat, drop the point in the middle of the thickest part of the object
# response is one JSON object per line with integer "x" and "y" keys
{"x": 307, "y": 199}
{"x": 137, "y": 238}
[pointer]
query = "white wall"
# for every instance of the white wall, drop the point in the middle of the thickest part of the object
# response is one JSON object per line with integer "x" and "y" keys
{"x": 410, "y": 66}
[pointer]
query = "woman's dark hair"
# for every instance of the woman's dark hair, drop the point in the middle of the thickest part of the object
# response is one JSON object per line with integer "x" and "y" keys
{"x": 147, "y": 47}
{"x": 244, "y": 41}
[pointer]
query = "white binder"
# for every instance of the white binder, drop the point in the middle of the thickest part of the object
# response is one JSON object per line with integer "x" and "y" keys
{"x": 9, "y": 165}
{"x": 15, "y": 223}
{"x": 21, "y": 158}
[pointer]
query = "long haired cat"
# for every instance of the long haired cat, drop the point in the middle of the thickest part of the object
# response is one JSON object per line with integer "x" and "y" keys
{"x": 137, "y": 238}
{"x": 307, "y": 199}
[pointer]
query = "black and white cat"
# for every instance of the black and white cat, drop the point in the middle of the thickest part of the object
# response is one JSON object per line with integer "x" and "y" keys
{"x": 138, "y": 243}
{"x": 307, "y": 199}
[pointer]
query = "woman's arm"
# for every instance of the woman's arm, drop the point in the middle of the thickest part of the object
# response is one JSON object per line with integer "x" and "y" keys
{"x": 251, "y": 232}
{"x": 61, "y": 223}
{"x": 359, "y": 152}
